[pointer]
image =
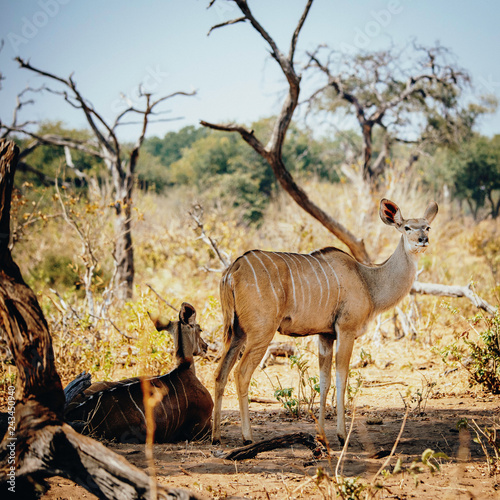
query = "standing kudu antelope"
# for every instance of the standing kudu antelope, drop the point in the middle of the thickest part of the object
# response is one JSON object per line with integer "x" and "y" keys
{"x": 326, "y": 292}
{"x": 115, "y": 410}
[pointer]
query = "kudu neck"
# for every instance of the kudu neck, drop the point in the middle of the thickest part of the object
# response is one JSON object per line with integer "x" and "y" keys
{"x": 391, "y": 281}
{"x": 183, "y": 350}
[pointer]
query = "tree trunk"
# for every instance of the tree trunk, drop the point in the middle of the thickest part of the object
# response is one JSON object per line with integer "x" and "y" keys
{"x": 124, "y": 254}
{"x": 366, "y": 129}
{"x": 37, "y": 444}
{"x": 355, "y": 245}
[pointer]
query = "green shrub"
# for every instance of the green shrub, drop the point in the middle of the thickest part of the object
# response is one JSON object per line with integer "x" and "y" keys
{"x": 478, "y": 351}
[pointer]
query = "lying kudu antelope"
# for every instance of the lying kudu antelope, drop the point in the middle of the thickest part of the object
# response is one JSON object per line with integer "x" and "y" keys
{"x": 326, "y": 292}
{"x": 115, "y": 410}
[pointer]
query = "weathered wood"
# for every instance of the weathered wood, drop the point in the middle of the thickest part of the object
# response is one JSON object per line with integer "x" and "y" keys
{"x": 286, "y": 441}
{"x": 37, "y": 444}
{"x": 276, "y": 349}
{"x": 454, "y": 291}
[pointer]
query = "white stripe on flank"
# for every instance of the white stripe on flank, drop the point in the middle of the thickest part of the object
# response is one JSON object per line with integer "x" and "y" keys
{"x": 338, "y": 284}
{"x": 304, "y": 274}
{"x": 277, "y": 269}
{"x": 291, "y": 276}
{"x": 300, "y": 274}
{"x": 253, "y": 271}
{"x": 135, "y": 404}
{"x": 166, "y": 399}
{"x": 185, "y": 394}
{"x": 178, "y": 405}
{"x": 317, "y": 277}
{"x": 326, "y": 278}
{"x": 270, "y": 281}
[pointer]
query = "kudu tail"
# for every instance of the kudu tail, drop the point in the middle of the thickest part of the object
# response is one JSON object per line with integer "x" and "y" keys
{"x": 227, "y": 305}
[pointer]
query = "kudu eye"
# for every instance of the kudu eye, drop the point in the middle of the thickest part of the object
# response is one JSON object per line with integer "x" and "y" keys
{"x": 407, "y": 228}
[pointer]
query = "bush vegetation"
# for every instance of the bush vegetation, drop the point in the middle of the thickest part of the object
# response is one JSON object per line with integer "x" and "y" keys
{"x": 243, "y": 209}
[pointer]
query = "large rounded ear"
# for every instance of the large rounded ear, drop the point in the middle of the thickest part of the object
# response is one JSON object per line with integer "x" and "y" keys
{"x": 389, "y": 213}
{"x": 431, "y": 211}
{"x": 187, "y": 314}
{"x": 160, "y": 322}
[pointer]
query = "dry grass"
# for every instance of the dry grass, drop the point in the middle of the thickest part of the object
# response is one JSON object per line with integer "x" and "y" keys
{"x": 174, "y": 261}
{"x": 171, "y": 258}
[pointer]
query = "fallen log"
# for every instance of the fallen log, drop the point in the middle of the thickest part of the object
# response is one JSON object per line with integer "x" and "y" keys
{"x": 286, "y": 441}
{"x": 453, "y": 291}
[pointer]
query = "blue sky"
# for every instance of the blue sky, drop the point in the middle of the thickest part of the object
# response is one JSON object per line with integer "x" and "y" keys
{"x": 113, "y": 45}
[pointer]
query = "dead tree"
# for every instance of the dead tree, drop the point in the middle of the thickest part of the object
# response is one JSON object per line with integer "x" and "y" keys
{"x": 384, "y": 93}
{"x": 106, "y": 146}
{"x": 37, "y": 444}
{"x": 272, "y": 151}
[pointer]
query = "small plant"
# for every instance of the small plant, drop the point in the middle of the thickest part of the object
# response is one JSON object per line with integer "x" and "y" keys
{"x": 477, "y": 349}
{"x": 430, "y": 460}
{"x": 285, "y": 397}
{"x": 308, "y": 385}
{"x": 347, "y": 488}
{"x": 354, "y": 389}
{"x": 421, "y": 396}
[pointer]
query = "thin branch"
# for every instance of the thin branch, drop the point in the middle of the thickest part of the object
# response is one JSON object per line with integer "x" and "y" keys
{"x": 454, "y": 291}
{"x": 394, "y": 447}
{"x": 227, "y": 23}
{"x": 247, "y": 135}
{"x": 161, "y": 298}
{"x": 88, "y": 110}
{"x": 296, "y": 33}
{"x": 197, "y": 214}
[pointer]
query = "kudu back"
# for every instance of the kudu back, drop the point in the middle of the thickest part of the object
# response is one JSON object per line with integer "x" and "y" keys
{"x": 325, "y": 293}
{"x": 183, "y": 410}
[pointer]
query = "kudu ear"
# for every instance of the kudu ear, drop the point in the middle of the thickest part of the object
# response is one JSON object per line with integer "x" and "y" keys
{"x": 431, "y": 211}
{"x": 389, "y": 213}
{"x": 160, "y": 322}
{"x": 187, "y": 314}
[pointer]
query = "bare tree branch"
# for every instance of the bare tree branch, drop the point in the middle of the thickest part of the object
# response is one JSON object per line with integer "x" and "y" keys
{"x": 382, "y": 92}
{"x": 196, "y": 214}
{"x": 227, "y": 23}
{"x": 106, "y": 146}
{"x": 161, "y": 298}
{"x": 454, "y": 291}
{"x": 272, "y": 152}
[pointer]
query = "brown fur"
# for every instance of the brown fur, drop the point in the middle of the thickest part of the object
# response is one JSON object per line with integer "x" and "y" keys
{"x": 115, "y": 410}
{"x": 326, "y": 292}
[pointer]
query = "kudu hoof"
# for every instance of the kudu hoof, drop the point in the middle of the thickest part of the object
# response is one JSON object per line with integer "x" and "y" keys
{"x": 246, "y": 442}
{"x": 215, "y": 442}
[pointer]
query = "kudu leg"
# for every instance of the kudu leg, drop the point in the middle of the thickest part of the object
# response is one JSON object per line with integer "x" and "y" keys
{"x": 243, "y": 373}
{"x": 342, "y": 359}
{"x": 226, "y": 364}
{"x": 325, "y": 356}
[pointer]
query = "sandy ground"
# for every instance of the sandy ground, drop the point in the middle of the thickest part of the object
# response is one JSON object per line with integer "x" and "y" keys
{"x": 378, "y": 415}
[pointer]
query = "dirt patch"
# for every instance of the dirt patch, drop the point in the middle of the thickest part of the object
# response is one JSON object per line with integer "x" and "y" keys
{"x": 405, "y": 373}
{"x": 288, "y": 473}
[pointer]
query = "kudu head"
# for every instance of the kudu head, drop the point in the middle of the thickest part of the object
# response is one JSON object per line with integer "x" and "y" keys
{"x": 185, "y": 332}
{"x": 415, "y": 231}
